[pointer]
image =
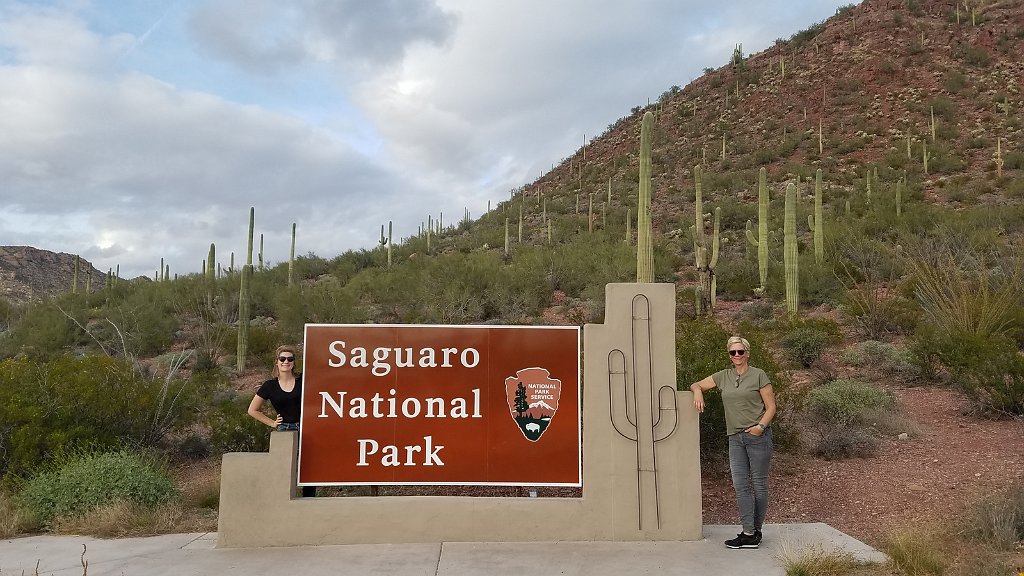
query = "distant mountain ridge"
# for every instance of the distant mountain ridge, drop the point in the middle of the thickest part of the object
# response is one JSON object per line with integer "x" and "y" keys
{"x": 30, "y": 274}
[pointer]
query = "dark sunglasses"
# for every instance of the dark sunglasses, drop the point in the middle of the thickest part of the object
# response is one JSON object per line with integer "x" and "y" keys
{"x": 286, "y": 358}
{"x": 737, "y": 352}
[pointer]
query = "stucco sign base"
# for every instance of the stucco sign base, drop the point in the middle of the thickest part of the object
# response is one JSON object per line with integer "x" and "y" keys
{"x": 641, "y": 472}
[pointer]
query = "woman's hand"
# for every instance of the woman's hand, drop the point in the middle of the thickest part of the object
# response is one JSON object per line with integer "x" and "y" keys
{"x": 698, "y": 400}
{"x": 278, "y": 422}
{"x": 754, "y": 430}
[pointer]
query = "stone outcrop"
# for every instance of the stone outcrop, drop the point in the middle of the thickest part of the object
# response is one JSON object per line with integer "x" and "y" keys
{"x": 29, "y": 274}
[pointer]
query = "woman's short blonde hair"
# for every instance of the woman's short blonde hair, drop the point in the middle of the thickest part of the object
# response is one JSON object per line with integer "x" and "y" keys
{"x": 283, "y": 348}
{"x": 738, "y": 340}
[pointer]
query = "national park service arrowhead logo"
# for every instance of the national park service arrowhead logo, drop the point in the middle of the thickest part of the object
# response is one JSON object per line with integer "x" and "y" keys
{"x": 532, "y": 400}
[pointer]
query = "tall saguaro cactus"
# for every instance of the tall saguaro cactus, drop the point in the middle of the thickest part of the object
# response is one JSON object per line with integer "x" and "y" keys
{"x": 644, "y": 245}
{"x": 789, "y": 251}
{"x": 243, "y": 299}
{"x": 815, "y": 221}
{"x": 706, "y": 291}
{"x": 761, "y": 242}
{"x": 291, "y": 259}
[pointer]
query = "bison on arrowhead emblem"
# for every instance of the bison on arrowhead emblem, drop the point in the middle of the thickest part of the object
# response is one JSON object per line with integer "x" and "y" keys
{"x": 532, "y": 400}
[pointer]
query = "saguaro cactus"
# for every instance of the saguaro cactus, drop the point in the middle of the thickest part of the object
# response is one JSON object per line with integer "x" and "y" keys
{"x": 999, "y": 157}
{"x": 706, "y": 291}
{"x": 761, "y": 242}
{"x": 644, "y": 245}
{"x": 291, "y": 259}
{"x": 74, "y": 279}
{"x": 243, "y": 300}
{"x": 789, "y": 251}
{"x": 816, "y": 221}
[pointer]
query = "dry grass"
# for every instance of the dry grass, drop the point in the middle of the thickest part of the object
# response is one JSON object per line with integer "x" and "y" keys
{"x": 816, "y": 561}
{"x": 915, "y": 553}
{"x": 123, "y": 519}
{"x": 13, "y": 521}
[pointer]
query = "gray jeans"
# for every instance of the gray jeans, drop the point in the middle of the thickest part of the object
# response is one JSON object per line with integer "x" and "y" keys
{"x": 749, "y": 459}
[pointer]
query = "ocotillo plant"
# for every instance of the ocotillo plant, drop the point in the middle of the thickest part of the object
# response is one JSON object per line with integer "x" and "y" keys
{"x": 291, "y": 259}
{"x": 815, "y": 221}
{"x": 761, "y": 242}
{"x": 243, "y": 300}
{"x": 644, "y": 244}
{"x": 789, "y": 251}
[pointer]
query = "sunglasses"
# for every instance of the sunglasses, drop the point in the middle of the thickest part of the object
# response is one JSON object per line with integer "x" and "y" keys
{"x": 286, "y": 358}
{"x": 737, "y": 352}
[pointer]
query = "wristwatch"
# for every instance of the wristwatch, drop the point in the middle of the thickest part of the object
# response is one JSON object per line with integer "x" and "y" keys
{"x": 763, "y": 427}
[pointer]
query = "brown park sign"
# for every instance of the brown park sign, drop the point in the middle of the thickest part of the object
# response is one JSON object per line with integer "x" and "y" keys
{"x": 422, "y": 404}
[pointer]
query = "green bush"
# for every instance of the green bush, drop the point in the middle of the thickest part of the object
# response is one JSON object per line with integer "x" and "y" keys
{"x": 47, "y": 407}
{"x": 883, "y": 359}
{"x": 843, "y": 412}
{"x": 232, "y": 429}
{"x": 804, "y": 345}
{"x": 86, "y": 481}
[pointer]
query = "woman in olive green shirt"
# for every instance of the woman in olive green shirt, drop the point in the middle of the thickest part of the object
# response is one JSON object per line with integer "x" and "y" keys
{"x": 749, "y": 403}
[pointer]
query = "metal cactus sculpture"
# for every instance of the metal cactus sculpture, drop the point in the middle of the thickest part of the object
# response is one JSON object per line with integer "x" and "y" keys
{"x": 644, "y": 245}
{"x": 243, "y": 300}
{"x": 789, "y": 251}
{"x": 705, "y": 295}
{"x": 815, "y": 221}
{"x": 640, "y": 410}
{"x": 761, "y": 242}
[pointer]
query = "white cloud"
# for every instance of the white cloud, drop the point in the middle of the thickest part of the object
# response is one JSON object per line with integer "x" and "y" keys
{"x": 435, "y": 107}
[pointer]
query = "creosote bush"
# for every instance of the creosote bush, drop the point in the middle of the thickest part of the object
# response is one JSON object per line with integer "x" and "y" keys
{"x": 86, "y": 481}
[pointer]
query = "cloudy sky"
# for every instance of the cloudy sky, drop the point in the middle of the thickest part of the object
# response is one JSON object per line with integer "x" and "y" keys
{"x": 135, "y": 130}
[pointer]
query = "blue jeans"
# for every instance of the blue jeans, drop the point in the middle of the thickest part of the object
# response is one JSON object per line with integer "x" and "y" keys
{"x": 749, "y": 459}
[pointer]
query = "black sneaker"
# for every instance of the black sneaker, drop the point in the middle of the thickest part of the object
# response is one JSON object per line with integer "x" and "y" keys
{"x": 757, "y": 536}
{"x": 743, "y": 541}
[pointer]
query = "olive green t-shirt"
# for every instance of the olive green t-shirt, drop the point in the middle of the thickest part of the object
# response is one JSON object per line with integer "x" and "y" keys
{"x": 741, "y": 397}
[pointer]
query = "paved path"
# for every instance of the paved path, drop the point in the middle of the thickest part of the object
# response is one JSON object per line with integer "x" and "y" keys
{"x": 194, "y": 554}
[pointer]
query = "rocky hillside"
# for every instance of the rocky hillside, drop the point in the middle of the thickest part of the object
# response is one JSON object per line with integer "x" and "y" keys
{"x": 880, "y": 84}
{"x": 29, "y": 274}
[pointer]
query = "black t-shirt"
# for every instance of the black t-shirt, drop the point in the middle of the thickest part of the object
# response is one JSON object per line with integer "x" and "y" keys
{"x": 287, "y": 404}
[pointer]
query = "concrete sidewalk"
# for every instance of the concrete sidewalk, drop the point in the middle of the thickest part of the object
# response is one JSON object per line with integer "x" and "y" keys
{"x": 187, "y": 554}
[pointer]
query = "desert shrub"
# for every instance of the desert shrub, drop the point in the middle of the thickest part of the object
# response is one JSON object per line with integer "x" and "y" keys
{"x": 86, "y": 481}
{"x": 760, "y": 310}
{"x": 89, "y": 401}
{"x": 843, "y": 412}
{"x": 231, "y": 427}
{"x": 804, "y": 340}
{"x": 41, "y": 331}
{"x": 804, "y": 345}
{"x": 883, "y": 359}
{"x": 736, "y": 278}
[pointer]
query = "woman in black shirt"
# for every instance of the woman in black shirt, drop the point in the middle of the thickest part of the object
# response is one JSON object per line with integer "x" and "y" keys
{"x": 284, "y": 391}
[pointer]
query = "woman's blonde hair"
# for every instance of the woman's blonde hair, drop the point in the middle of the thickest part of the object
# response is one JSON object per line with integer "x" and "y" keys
{"x": 283, "y": 348}
{"x": 738, "y": 340}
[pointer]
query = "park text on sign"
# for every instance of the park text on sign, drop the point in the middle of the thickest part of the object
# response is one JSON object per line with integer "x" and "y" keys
{"x": 420, "y": 404}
